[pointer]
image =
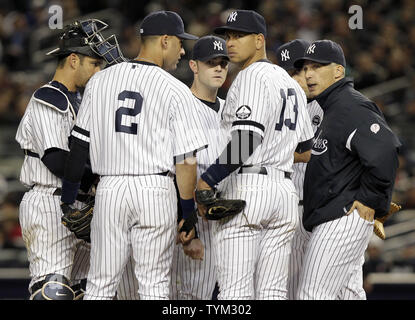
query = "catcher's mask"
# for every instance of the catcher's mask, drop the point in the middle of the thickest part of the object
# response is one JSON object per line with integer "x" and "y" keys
{"x": 85, "y": 37}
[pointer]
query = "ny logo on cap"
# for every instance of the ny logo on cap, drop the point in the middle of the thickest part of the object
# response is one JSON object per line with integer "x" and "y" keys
{"x": 311, "y": 49}
{"x": 285, "y": 55}
{"x": 217, "y": 45}
{"x": 232, "y": 16}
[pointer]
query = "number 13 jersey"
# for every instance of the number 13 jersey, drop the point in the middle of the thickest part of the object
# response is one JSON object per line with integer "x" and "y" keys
{"x": 263, "y": 98}
{"x": 136, "y": 118}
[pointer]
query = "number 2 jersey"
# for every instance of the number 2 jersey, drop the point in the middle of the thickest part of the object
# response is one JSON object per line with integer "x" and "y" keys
{"x": 263, "y": 98}
{"x": 136, "y": 118}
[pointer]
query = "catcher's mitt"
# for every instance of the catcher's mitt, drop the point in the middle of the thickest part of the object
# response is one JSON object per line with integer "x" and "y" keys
{"x": 378, "y": 228}
{"x": 78, "y": 221}
{"x": 217, "y": 208}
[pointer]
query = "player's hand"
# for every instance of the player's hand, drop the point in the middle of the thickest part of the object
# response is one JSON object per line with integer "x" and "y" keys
{"x": 201, "y": 185}
{"x": 195, "y": 249}
{"x": 67, "y": 208}
{"x": 366, "y": 213}
{"x": 184, "y": 237}
{"x": 201, "y": 210}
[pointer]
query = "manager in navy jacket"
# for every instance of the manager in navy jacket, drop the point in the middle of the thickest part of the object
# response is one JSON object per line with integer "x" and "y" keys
{"x": 349, "y": 178}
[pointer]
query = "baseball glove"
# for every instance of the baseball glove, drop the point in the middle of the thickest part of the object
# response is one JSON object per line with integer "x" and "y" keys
{"x": 78, "y": 221}
{"x": 378, "y": 228}
{"x": 217, "y": 208}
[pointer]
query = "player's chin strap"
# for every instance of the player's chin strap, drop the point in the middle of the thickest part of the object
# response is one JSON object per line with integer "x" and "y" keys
{"x": 56, "y": 287}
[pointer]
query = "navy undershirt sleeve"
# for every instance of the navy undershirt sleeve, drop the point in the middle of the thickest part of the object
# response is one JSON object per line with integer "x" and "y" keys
{"x": 74, "y": 169}
{"x": 239, "y": 149}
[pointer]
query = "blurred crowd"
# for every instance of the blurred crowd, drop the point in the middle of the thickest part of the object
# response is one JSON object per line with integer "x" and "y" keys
{"x": 382, "y": 51}
{"x": 12, "y": 248}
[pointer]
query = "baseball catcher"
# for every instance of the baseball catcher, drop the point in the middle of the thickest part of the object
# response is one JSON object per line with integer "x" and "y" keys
{"x": 378, "y": 228}
{"x": 217, "y": 208}
{"x": 78, "y": 221}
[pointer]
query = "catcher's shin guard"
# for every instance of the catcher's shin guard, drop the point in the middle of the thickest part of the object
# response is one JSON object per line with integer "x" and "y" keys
{"x": 54, "y": 287}
{"x": 79, "y": 289}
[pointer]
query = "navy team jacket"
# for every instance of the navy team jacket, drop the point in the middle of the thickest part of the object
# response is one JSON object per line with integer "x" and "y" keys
{"x": 354, "y": 157}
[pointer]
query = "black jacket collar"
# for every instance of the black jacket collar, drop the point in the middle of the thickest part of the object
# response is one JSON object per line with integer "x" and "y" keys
{"x": 322, "y": 97}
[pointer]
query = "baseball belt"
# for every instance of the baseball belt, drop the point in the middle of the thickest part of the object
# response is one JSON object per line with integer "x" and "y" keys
{"x": 259, "y": 170}
{"x": 30, "y": 153}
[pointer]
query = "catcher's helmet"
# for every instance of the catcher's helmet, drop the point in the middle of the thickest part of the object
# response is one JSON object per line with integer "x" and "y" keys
{"x": 85, "y": 37}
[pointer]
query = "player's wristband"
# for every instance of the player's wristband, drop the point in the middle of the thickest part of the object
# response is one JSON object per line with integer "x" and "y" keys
{"x": 187, "y": 207}
{"x": 215, "y": 174}
{"x": 69, "y": 191}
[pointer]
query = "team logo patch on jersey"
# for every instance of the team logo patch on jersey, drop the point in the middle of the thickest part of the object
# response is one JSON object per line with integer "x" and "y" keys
{"x": 375, "y": 128}
{"x": 316, "y": 120}
{"x": 243, "y": 112}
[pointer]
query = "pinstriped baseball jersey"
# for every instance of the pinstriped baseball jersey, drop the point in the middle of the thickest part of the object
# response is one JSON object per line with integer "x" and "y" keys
{"x": 253, "y": 262}
{"x": 51, "y": 247}
{"x": 196, "y": 279}
{"x": 43, "y": 127}
{"x": 136, "y": 118}
{"x": 265, "y": 99}
{"x": 316, "y": 116}
{"x": 128, "y": 135}
{"x": 210, "y": 119}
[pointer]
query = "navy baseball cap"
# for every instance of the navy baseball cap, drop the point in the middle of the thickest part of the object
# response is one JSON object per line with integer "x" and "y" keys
{"x": 209, "y": 47}
{"x": 290, "y": 52}
{"x": 322, "y": 51}
{"x": 164, "y": 22}
{"x": 247, "y": 21}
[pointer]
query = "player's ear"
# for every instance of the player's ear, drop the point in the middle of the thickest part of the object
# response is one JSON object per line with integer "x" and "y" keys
{"x": 339, "y": 72}
{"x": 193, "y": 66}
{"x": 259, "y": 41}
{"x": 73, "y": 60}
{"x": 164, "y": 41}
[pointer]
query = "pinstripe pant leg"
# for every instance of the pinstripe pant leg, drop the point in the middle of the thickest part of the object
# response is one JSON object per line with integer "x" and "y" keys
{"x": 252, "y": 245}
{"x": 354, "y": 287}
{"x": 236, "y": 256}
{"x": 298, "y": 249}
{"x": 51, "y": 247}
{"x": 275, "y": 244}
{"x": 334, "y": 250}
{"x": 109, "y": 239}
{"x": 81, "y": 259}
{"x": 153, "y": 232}
{"x": 236, "y": 239}
{"x": 175, "y": 283}
{"x": 128, "y": 287}
{"x": 198, "y": 277}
